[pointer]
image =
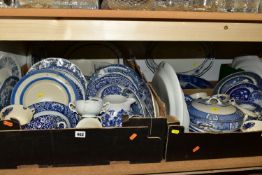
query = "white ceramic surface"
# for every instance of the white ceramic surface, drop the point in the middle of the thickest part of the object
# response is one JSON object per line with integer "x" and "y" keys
{"x": 252, "y": 126}
{"x": 45, "y": 90}
{"x": 249, "y": 63}
{"x": 89, "y": 123}
{"x": 167, "y": 86}
{"x": 199, "y": 95}
{"x": 88, "y": 108}
{"x": 118, "y": 102}
{"x": 18, "y": 112}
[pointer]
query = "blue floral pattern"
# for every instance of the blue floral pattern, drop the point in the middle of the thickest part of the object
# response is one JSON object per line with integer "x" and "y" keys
{"x": 57, "y": 107}
{"x": 112, "y": 118}
{"x": 6, "y": 91}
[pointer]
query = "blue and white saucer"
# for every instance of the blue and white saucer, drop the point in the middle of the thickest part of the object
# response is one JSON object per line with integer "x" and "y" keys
{"x": 56, "y": 109}
{"x": 237, "y": 78}
{"x": 6, "y": 90}
{"x": 256, "y": 97}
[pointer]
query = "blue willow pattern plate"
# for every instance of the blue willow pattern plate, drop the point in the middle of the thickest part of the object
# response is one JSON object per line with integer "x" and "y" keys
{"x": 60, "y": 63}
{"x": 57, "y": 107}
{"x": 242, "y": 92}
{"x": 237, "y": 78}
{"x": 97, "y": 84}
{"x": 6, "y": 91}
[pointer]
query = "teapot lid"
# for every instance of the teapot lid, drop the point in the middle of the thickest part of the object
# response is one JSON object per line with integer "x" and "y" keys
{"x": 214, "y": 105}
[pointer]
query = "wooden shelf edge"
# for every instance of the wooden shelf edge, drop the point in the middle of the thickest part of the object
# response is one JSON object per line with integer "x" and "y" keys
{"x": 149, "y": 168}
{"x": 128, "y": 14}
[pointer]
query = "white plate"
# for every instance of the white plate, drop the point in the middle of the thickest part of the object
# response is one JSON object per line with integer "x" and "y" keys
{"x": 167, "y": 86}
{"x": 43, "y": 86}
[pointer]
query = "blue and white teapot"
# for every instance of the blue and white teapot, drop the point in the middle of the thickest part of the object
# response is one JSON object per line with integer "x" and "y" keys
{"x": 116, "y": 107}
{"x": 215, "y": 114}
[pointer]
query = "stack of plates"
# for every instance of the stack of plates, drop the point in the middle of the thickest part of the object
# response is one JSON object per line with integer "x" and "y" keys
{"x": 245, "y": 88}
{"x": 167, "y": 86}
{"x": 48, "y": 88}
{"x": 121, "y": 80}
{"x": 10, "y": 73}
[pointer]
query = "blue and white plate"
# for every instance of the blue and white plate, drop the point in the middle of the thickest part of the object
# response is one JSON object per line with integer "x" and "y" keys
{"x": 237, "y": 78}
{"x": 193, "y": 82}
{"x": 122, "y": 69}
{"x": 256, "y": 97}
{"x": 10, "y": 65}
{"x": 241, "y": 92}
{"x": 6, "y": 90}
{"x": 143, "y": 91}
{"x": 97, "y": 84}
{"x": 60, "y": 63}
{"x": 45, "y": 85}
{"x": 56, "y": 109}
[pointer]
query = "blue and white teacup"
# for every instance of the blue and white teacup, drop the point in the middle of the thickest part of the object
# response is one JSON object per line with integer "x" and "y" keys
{"x": 252, "y": 126}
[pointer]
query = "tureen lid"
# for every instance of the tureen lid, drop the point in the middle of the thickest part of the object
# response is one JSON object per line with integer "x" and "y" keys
{"x": 214, "y": 105}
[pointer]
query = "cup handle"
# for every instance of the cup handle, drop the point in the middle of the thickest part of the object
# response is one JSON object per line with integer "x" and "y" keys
{"x": 61, "y": 123}
{"x": 72, "y": 107}
{"x": 105, "y": 107}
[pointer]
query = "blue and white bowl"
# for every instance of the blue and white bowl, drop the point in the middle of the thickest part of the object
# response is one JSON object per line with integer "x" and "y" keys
{"x": 215, "y": 115}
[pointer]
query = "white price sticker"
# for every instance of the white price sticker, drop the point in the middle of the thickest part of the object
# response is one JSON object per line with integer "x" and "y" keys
{"x": 80, "y": 134}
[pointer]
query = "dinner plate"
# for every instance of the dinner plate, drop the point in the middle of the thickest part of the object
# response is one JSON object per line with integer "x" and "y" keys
{"x": 167, "y": 86}
{"x": 237, "y": 78}
{"x": 6, "y": 90}
{"x": 60, "y": 63}
{"x": 56, "y": 109}
{"x": 45, "y": 85}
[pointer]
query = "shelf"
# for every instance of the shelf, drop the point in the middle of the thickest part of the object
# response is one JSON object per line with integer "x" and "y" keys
{"x": 113, "y": 25}
{"x": 125, "y": 14}
{"x": 214, "y": 165}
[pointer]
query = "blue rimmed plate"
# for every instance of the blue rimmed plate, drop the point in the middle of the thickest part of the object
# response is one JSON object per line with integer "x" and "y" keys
{"x": 237, "y": 78}
{"x": 56, "y": 109}
{"x": 45, "y": 85}
{"x": 60, "y": 63}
